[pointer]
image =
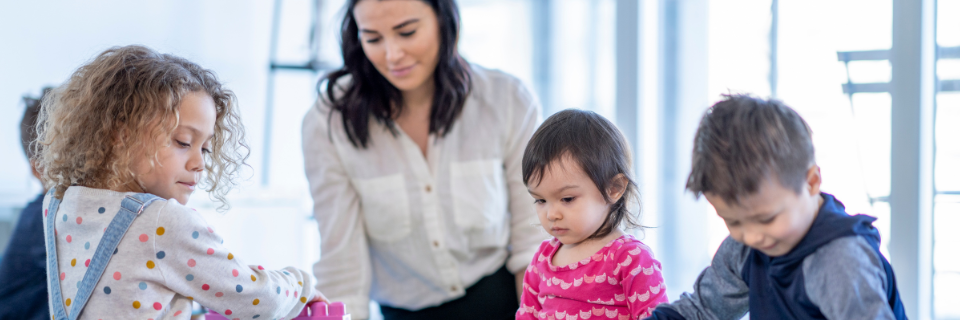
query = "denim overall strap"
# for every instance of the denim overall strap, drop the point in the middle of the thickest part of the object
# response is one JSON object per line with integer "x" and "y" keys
{"x": 130, "y": 209}
{"x": 57, "y": 310}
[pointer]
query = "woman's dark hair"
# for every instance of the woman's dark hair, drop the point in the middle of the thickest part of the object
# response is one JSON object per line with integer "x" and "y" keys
{"x": 743, "y": 139}
{"x": 368, "y": 93}
{"x": 597, "y": 146}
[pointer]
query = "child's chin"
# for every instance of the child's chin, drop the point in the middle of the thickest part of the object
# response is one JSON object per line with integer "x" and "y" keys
{"x": 776, "y": 251}
{"x": 182, "y": 199}
{"x": 566, "y": 240}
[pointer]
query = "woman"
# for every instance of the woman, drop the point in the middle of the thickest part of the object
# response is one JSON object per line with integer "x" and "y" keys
{"x": 413, "y": 158}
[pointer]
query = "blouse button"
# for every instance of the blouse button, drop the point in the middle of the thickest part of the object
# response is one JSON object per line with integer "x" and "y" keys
{"x": 428, "y": 188}
{"x": 453, "y": 288}
{"x": 436, "y": 244}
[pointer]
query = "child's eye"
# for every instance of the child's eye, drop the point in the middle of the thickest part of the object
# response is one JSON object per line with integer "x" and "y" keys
{"x": 768, "y": 220}
{"x": 183, "y": 144}
{"x": 205, "y": 151}
{"x": 567, "y": 199}
{"x": 374, "y": 40}
{"x": 407, "y": 34}
{"x": 539, "y": 201}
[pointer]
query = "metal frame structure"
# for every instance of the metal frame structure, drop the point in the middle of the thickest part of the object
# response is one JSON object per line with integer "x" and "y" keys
{"x": 912, "y": 93}
{"x": 627, "y": 103}
{"x": 913, "y": 89}
{"x": 851, "y": 88}
{"x": 314, "y": 65}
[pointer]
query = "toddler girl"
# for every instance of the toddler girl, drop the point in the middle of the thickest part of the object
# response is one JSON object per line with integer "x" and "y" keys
{"x": 123, "y": 144}
{"x": 577, "y": 168}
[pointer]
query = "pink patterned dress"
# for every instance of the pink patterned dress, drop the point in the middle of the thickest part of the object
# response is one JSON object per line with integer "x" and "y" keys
{"x": 621, "y": 281}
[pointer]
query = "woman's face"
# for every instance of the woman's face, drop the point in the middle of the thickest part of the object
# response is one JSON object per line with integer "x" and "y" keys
{"x": 401, "y": 39}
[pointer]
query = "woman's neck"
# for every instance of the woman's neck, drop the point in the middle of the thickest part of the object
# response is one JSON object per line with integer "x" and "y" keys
{"x": 420, "y": 99}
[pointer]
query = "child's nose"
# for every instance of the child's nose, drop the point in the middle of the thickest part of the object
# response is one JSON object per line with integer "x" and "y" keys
{"x": 752, "y": 238}
{"x": 196, "y": 162}
{"x": 553, "y": 213}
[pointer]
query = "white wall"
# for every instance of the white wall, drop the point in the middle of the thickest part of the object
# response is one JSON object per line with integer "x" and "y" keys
{"x": 43, "y": 42}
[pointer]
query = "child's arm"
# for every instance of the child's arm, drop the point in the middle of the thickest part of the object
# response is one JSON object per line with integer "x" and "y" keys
{"x": 193, "y": 262}
{"x": 641, "y": 279}
{"x": 719, "y": 293}
{"x": 529, "y": 305}
{"x": 846, "y": 279}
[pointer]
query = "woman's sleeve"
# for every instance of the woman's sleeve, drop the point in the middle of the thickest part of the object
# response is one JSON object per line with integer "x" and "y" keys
{"x": 343, "y": 272}
{"x": 642, "y": 280}
{"x": 193, "y": 262}
{"x": 525, "y": 236}
{"x": 530, "y": 306}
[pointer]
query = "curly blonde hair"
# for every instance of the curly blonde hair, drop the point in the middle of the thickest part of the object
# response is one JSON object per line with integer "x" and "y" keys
{"x": 95, "y": 128}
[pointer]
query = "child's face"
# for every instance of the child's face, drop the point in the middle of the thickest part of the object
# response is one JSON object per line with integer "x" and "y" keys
{"x": 569, "y": 205}
{"x": 181, "y": 157}
{"x": 774, "y": 219}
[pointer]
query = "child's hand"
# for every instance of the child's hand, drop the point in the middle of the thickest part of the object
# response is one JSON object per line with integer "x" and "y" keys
{"x": 318, "y": 297}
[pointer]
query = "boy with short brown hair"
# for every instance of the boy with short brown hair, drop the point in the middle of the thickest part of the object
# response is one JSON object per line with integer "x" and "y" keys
{"x": 793, "y": 252}
{"x": 23, "y": 277}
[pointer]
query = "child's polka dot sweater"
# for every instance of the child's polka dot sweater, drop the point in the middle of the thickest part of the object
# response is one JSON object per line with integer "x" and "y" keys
{"x": 167, "y": 258}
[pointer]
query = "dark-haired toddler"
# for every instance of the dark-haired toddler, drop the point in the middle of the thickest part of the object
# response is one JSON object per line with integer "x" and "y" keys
{"x": 793, "y": 251}
{"x": 577, "y": 168}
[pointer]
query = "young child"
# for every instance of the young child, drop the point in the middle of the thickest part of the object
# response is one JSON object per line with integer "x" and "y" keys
{"x": 577, "y": 168}
{"x": 793, "y": 252}
{"x": 130, "y": 127}
{"x": 23, "y": 277}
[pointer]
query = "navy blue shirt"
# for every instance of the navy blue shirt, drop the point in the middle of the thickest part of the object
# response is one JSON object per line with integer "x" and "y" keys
{"x": 23, "y": 271}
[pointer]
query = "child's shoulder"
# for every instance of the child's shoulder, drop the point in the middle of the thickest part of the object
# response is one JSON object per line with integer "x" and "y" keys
{"x": 630, "y": 245}
{"x": 169, "y": 214}
{"x": 851, "y": 250}
{"x": 547, "y": 244}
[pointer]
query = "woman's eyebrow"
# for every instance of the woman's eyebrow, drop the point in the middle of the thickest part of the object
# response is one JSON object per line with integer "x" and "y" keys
{"x": 401, "y": 25}
{"x": 405, "y": 23}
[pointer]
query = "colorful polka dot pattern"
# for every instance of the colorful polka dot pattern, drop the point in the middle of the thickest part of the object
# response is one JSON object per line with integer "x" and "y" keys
{"x": 195, "y": 253}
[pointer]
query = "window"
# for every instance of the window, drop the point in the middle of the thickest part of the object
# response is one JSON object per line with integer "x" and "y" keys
{"x": 946, "y": 208}
{"x": 563, "y": 50}
{"x": 850, "y": 131}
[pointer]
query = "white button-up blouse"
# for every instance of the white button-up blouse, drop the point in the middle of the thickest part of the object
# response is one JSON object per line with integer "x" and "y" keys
{"x": 411, "y": 231}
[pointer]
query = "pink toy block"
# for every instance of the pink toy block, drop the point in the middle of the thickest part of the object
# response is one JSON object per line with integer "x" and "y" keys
{"x": 317, "y": 311}
{"x": 324, "y": 311}
{"x": 213, "y": 315}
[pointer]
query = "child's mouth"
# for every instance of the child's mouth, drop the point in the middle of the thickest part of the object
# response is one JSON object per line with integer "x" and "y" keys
{"x": 188, "y": 185}
{"x": 559, "y": 231}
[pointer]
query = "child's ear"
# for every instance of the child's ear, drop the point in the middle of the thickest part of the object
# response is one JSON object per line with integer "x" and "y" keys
{"x": 813, "y": 180}
{"x": 617, "y": 186}
{"x": 34, "y": 171}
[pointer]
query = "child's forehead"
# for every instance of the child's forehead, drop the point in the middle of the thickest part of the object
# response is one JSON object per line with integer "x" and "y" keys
{"x": 197, "y": 107}
{"x": 770, "y": 195}
{"x": 564, "y": 166}
{"x": 559, "y": 174}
